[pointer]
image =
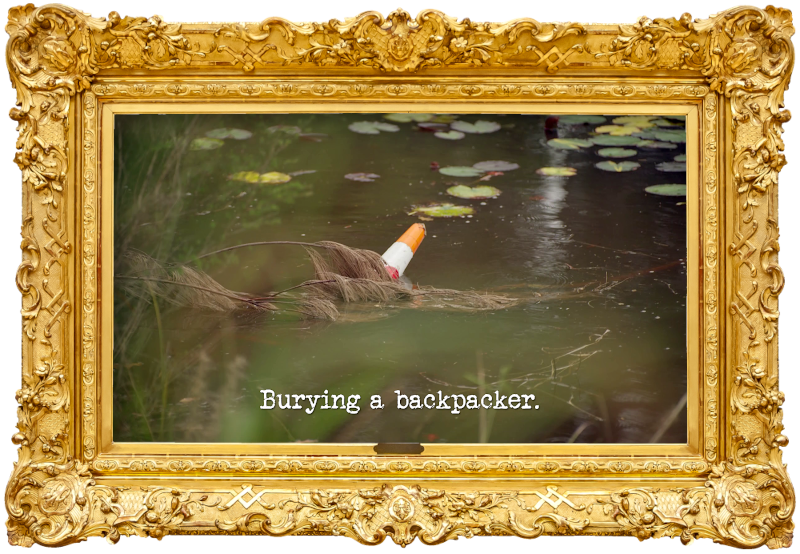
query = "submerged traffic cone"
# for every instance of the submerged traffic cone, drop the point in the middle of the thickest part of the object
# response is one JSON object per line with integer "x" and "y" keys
{"x": 400, "y": 253}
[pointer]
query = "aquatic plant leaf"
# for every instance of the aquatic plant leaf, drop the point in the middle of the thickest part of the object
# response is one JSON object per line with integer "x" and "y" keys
{"x": 617, "y": 130}
{"x": 671, "y": 135}
{"x": 274, "y": 178}
{"x": 235, "y": 134}
{"x": 245, "y": 176}
{"x": 362, "y": 177}
{"x": 672, "y": 167}
{"x": 288, "y": 129}
{"x": 302, "y": 172}
{"x": 617, "y": 167}
{"x": 450, "y": 135}
{"x": 460, "y": 171}
{"x": 581, "y": 119}
{"x": 495, "y": 165}
{"x": 680, "y": 158}
{"x": 441, "y": 210}
{"x": 614, "y": 140}
{"x": 408, "y": 117}
{"x": 662, "y": 122}
{"x": 641, "y": 121}
{"x": 569, "y": 144}
{"x": 206, "y": 143}
{"x": 657, "y": 144}
{"x": 557, "y": 171}
{"x": 647, "y": 134}
{"x": 372, "y": 127}
{"x": 473, "y": 193}
{"x": 616, "y": 153}
{"x": 480, "y": 127}
{"x": 667, "y": 190}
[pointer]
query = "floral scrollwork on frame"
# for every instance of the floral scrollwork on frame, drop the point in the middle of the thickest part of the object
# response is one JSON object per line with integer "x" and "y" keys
{"x": 740, "y": 60}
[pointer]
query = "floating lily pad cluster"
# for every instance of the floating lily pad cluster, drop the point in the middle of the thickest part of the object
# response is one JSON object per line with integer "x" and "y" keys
{"x": 443, "y": 126}
{"x": 271, "y": 178}
{"x": 216, "y": 138}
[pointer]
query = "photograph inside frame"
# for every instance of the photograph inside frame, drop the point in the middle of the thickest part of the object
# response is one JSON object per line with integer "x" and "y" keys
{"x": 401, "y": 277}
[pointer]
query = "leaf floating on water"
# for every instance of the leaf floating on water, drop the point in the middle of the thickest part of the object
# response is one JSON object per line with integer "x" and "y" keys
{"x": 617, "y": 167}
{"x": 614, "y": 140}
{"x": 460, "y": 171}
{"x": 302, "y": 172}
{"x": 441, "y": 210}
{"x": 657, "y": 144}
{"x": 616, "y": 153}
{"x": 480, "y": 127}
{"x": 474, "y": 193}
{"x": 235, "y": 134}
{"x": 640, "y": 121}
{"x": 408, "y": 117}
{"x": 288, "y": 129}
{"x": 495, "y": 165}
{"x": 667, "y": 190}
{"x": 557, "y": 171}
{"x": 671, "y": 167}
{"x": 444, "y": 118}
{"x": 647, "y": 134}
{"x": 671, "y": 135}
{"x": 274, "y": 178}
{"x": 680, "y": 158}
{"x": 569, "y": 144}
{"x": 245, "y": 176}
{"x": 362, "y": 177}
{"x": 662, "y": 122}
{"x": 450, "y": 135}
{"x": 617, "y": 130}
{"x": 205, "y": 143}
{"x": 372, "y": 127}
{"x": 581, "y": 119}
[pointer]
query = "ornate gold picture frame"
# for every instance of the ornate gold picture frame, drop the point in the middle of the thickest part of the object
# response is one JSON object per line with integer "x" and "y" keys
{"x": 726, "y": 74}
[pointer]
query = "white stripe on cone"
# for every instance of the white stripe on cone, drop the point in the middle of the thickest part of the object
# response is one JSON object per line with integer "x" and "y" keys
{"x": 397, "y": 258}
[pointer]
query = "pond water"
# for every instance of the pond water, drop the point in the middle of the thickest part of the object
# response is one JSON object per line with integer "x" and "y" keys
{"x": 596, "y": 265}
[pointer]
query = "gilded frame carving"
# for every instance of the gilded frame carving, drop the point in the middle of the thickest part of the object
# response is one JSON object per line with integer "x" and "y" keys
{"x": 728, "y": 483}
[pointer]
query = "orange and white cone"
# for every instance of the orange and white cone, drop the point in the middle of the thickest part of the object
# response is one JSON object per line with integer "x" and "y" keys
{"x": 400, "y": 253}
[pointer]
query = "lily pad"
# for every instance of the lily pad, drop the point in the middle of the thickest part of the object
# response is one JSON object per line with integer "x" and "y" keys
{"x": 473, "y": 193}
{"x": 460, "y": 171}
{"x": 657, "y": 144}
{"x": 569, "y": 144}
{"x": 245, "y": 176}
{"x": 444, "y": 118}
{"x": 581, "y": 119}
{"x": 618, "y": 130}
{"x": 408, "y": 117}
{"x": 302, "y": 172}
{"x": 274, "y": 178}
{"x": 667, "y": 190}
{"x": 372, "y": 127}
{"x": 205, "y": 143}
{"x": 495, "y": 165}
{"x": 680, "y": 158}
{"x": 662, "y": 122}
{"x": 617, "y": 167}
{"x": 616, "y": 153}
{"x": 671, "y": 135}
{"x": 557, "y": 171}
{"x": 362, "y": 177}
{"x": 641, "y": 121}
{"x": 235, "y": 134}
{"x": 647, "y": 134}
{"x": 480, "y": 127}
{"x": 613, "y": 140}
{"x": 672, "y": 167}
{"x": 441, "y": 210}
{"x": 449, "y": 135}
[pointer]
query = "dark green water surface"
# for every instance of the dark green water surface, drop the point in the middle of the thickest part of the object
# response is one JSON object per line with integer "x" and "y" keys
{"x": 598, "y": 335}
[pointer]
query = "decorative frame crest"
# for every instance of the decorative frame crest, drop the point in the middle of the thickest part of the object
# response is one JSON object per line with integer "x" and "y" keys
{"x": 734, "y": 66}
